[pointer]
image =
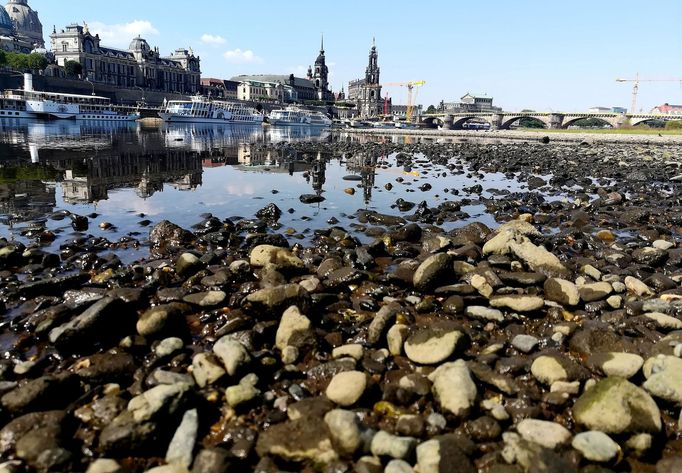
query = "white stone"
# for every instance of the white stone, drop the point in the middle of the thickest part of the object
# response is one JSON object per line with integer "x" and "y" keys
{"x": 548, "y": 370}
{"x": 429, "y": 346}
{"x": 596, "y": 446}
{"x": 345, "y": 430}
{"x": 168, "y": 346}
{"x": 395, "y": 338}
{"x": 385, "y": 444}
{"x": 292, "y": 321}
{"x": 453, "y": 387}
{"x": 637, "y": 287}
{"x": 346, "y": 388}
{"x": 232, "y": 353}
{"x": 524, "y": 343}
{"x": 354, "y": 350}
{"x": 205, "y": 370}
{"x": 545, "y": 433}
{"x": 484, "y": 313}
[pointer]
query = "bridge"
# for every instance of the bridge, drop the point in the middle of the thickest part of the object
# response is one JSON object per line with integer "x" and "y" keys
{"x": 553, "y": 120}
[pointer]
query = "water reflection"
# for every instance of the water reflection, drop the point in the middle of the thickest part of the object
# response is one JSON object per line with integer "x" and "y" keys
{"x": 88, "y": 160}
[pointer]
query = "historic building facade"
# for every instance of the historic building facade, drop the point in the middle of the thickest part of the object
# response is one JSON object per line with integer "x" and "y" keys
{"x": 139, "y": 66}
{"x": 20, "y": 28}
{"x": 366, "y": 93}
{"x": 313, "y": 88}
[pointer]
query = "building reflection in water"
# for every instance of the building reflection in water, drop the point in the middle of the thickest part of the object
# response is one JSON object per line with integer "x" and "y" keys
{"x": 90, "y": 159}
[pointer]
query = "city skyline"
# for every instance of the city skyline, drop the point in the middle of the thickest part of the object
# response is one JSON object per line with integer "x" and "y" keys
{"x": 525, "y": 55}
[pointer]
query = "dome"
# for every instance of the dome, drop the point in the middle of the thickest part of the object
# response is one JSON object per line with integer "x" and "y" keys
{"x": 28, "y": 25}
{"x": 139, "y": 44}
{"x": 6, "y": 25}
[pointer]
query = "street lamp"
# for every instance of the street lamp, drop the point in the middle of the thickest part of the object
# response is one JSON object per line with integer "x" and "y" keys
{"x": 142, "y": 90}
{"x": 93, "y": 85}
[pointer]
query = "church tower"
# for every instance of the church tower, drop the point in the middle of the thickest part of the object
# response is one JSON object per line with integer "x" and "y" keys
{"x": 320, "y": 77}
{"x": 372, "y": 71}
{"x": 371, "y": 104}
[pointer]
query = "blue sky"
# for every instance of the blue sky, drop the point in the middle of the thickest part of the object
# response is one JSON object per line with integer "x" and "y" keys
{"x": 537, "y": 54}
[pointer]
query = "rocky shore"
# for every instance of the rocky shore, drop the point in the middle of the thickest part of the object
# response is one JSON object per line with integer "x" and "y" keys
{"x": 550, "y": 342}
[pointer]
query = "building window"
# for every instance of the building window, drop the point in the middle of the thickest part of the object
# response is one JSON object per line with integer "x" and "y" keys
{"x": 65, "y": 47}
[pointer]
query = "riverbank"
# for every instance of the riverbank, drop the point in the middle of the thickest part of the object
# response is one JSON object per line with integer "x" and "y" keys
{"x": 528, "y": 135}
{"x": 386, "y": 338}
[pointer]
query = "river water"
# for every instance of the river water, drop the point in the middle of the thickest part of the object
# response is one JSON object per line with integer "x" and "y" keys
{"x": 131, "y": 176}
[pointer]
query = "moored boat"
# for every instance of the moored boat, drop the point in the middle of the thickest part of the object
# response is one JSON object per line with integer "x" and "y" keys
{"x": 202, "y": 110}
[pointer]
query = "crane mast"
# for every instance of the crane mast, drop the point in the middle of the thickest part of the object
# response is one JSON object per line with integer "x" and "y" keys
{"x": 635, "y": 87}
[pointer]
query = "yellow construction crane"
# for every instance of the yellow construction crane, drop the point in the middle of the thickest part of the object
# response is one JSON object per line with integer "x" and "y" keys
{"x": 635, "y": 87}
{"x": 411, "y": 99}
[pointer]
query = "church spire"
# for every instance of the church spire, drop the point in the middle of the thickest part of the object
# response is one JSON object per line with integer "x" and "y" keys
{"x": 322, "y": 43}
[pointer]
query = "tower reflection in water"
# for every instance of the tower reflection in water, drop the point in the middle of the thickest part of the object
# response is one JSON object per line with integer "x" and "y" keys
{"x": 88, "y": 160}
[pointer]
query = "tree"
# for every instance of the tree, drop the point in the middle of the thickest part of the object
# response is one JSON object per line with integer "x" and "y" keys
{"x": 18, "y": 62}
{"x": 37, "y": 62}
{"x": 3, "y": 58}
{"x": 73, "y": 68}
{"x": 431, "y": 109}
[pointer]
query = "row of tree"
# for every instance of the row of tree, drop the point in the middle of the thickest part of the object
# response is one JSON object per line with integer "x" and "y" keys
{"x": 23, "y": 62}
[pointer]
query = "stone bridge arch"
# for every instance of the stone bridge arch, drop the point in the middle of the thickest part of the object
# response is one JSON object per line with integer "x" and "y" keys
{"x": 508, "y": 120}
{"x": 612, "y": 120}
{"x": 636, "y": 120}
{"x": 459, "y": 120}
{"x": 433, "y": 121}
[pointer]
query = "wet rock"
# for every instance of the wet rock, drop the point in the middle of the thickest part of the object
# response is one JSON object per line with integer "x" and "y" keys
{"x": 166, "y": 234}
{"x": 206, "y": 299}
{"x": 346, "y": 388}
{"x": 518, "y": 303}
{"x": 106, "y": 368}
{"x": 561, "y": 291}
{"x": 595, "y": 291}
{"x": 432, "y": 272}
{"x": 269, "y": 213}
{"x": 453, "y": 387}
{"x": 441, "y": 454}
{"x": 484, "y": 313}
{"x": 281, "y": 258}
{"x": 298, "y": 440}
{"x": 211, "y": 460}
{"x": 344, "y": 428}
{"x": 616, "y": 406}
{"x": 596, "y": 446}
{"x": 242, "y": 393}
{"x": 538, "y": 258}
{"x": 310, "y": 198}
{"x": 637, "y": 287}
{"x": 181, "y": 447}
{"x": 524, "y": 343}
{"x": 625, "y": 365}
{"x": 274, "y": 300}
{"x": 549, "y": 369}
{"x": 168, "y": 346}
{"x": 22, "y": 425}
{"x": 432, "y": 345}
{"x": 381, "y": 322}
{"x": 162, "y": 319}
{"x": 187, "y": 264}
{"x": 104, "y": 465}
{"x": 106, "y": 321}
{"x": 206, "y": 370}
{"x": 44, "y": 393}
{"x": 664, "y": 378}
{"x": 232, "y": 353}
{"x": 387, "y": 445}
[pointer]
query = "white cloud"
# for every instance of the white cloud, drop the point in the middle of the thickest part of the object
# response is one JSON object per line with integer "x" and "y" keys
{"x": 237, "y": 56}
{"x": 120, "y": 35}
{"x": 212, "y": 39}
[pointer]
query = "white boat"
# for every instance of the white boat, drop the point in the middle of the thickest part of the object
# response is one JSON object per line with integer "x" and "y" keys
{"x": 30, "y": 103}
{"x": 202, "y": 110}
{"x": 295, "y": 116}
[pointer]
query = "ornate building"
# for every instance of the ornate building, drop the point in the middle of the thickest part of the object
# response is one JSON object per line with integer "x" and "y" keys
{"x": 20, "y": 28}
{"x": 366, "y": 93}
{"x": 139, "y": 66}
{"x": 321, "y": 76}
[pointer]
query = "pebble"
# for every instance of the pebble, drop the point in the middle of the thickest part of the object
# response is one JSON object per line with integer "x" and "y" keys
{"x": 596, "y": 446}
{"x": 345, "y": 430}
{"x": 484, "y": 313}
{"x": 614, "y": 406}
{"x": 168, "y": 346}
{"x": 595, "y": 291}
{"x": 518, "y": 303}
{"x": 625, "y": 365}
{"x": 393, "y": 446}
{"x": 637, "y": 287}
{"x": 346, "y": 388}
{"x": 182, "y": 445}
{"x": 524, "y": 343}
{"x": 545, "y": 433}
{"x": 453, "y": 387}
{"x": 430, "y": 346}
{"x": 354, "y": 350}
{"x": 562, "y": 291}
